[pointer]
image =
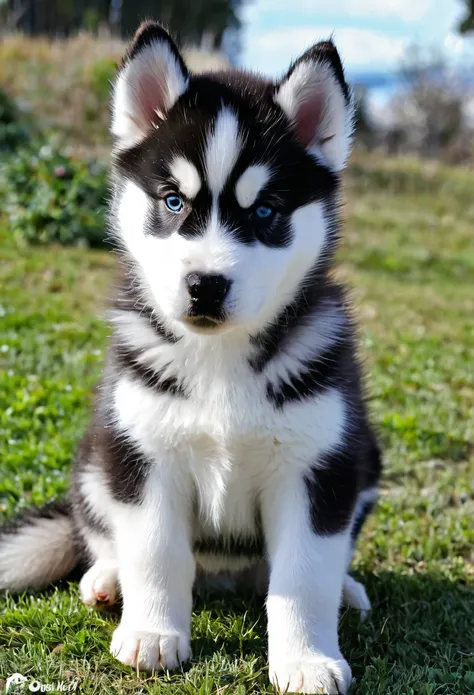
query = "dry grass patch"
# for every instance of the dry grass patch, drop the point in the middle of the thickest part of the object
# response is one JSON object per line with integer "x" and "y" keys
{"x": 65, "y": 84}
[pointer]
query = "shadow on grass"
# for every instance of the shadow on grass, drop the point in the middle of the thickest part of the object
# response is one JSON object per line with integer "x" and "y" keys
{"x": 420, "y": 624}
{"x": 417, "y": 640}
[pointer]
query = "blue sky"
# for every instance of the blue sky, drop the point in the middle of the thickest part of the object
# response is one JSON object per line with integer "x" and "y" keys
{"x": 370, "y": 34}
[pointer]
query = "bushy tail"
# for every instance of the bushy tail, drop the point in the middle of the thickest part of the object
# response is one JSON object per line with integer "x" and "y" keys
{"x": 38, "y": 548}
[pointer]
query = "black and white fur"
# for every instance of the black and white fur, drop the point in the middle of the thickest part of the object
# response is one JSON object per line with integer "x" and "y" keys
{"x": 230, "y": 427}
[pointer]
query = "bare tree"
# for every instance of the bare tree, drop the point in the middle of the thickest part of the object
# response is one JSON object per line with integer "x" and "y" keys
{"x": 432, "y": 107}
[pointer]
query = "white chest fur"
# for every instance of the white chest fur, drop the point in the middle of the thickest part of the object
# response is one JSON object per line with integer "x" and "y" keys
{"x": 226, "y": 435}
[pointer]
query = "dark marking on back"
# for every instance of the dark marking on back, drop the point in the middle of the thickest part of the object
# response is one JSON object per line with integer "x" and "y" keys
{"x": 332, "y": 488}
{"x": 105, "y": 448}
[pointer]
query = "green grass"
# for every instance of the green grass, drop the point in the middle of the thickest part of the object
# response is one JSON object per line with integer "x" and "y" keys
{"x": 409, "y": 255}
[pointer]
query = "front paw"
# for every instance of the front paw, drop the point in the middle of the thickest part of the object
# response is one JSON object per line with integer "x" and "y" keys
{"x": 148, "y": 650}
{"x": 313, "y": 674}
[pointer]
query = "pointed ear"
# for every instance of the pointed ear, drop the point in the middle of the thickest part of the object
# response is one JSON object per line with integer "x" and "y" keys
{"x": 315, "y": 97}
{"x": 152, "y": 77}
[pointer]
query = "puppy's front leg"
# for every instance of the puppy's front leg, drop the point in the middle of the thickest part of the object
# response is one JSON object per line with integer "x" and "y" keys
{"x": 156, "y": 574}
{"x": 307, "y": 571}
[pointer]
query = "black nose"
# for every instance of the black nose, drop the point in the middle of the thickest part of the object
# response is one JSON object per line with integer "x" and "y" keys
{"x": 208, "y": 289}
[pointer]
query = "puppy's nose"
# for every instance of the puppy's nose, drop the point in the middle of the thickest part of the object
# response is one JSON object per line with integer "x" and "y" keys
{"x": 208, "y": 288}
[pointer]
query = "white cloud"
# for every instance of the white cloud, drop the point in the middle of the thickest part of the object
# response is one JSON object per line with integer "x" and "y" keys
{"x": 361, "y": 49}
{"x": 407, "y": 10}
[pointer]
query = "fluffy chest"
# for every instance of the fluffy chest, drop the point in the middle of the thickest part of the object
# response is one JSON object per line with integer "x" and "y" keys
{"x": 231, "y": 443}
{"x": 211, "y": 397}
{"x": 209, "y": 417}
{"x": 225, "y": 419}
{"x": 225, "y": 444}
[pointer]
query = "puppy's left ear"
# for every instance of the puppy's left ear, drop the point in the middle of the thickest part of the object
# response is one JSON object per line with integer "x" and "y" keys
{"x": 317, "y": 100}
{"x": 151, "y": 79}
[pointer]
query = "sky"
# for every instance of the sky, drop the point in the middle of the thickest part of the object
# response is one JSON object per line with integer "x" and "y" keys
{"x": 371, "y": 35}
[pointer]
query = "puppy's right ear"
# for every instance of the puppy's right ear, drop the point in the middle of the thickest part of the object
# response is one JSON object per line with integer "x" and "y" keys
{"x": 151, "y": 79}
{"x": 315, "y": 97}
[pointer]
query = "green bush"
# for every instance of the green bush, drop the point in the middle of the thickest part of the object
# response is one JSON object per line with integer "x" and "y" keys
{"x": 50, "y": 197}
{"x": 46, "y": 195}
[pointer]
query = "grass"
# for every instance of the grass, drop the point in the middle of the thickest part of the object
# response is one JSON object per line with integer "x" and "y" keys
{"x": 409, "y": 255}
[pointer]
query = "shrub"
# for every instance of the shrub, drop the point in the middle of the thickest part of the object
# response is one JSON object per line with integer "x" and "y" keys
{"x": 48, "y": 196}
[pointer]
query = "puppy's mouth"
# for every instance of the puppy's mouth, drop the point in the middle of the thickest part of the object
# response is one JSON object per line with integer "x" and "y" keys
{"x": 203, "y": 323}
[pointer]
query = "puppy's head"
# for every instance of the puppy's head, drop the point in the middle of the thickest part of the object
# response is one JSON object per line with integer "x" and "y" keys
{"x": 225, "y": 182}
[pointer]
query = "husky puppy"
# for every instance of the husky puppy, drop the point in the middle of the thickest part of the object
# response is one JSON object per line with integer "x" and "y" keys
{"x": 230, "y": 425}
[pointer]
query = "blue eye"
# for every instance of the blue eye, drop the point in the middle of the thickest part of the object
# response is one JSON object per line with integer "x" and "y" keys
{"x": 264, "y": 212}
{"x": 174, "y": 202}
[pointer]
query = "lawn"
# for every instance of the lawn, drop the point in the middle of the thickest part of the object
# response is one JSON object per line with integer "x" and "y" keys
{"x": 408, "y": 254}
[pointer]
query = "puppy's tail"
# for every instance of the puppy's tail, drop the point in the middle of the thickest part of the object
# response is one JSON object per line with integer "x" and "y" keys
{"x": 38, "y": 547}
